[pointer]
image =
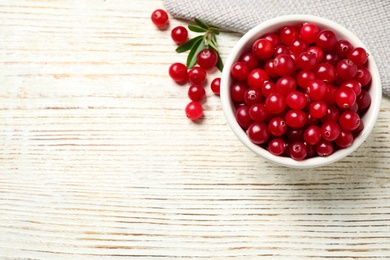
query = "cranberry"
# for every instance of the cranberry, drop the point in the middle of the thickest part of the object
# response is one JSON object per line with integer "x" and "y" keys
{"x": 294, "y": 134}
{"x": 358, "y": 56}
{"x": 296, "y": 118}
{"x": 312, "y": 135}
{"x": 240, "y": 71}
{"x": 306, "y": 61}
{"x": 267, "y": 88}
{"x": 331, "y": 57}
{"x": 346, "y": 69}
{"x": 207, "y": 59}
{"x": 258, "y": 112}
{"x": 281, "y": 49}
{"x": 179, "y": 34}
{"x": 258, "y": 132}
{"x": 285, "y": 85}
{"x": 298, "y": 151}
{"x": 284, "y": 65}
{"x": 276, "y": 146}
{"x": 179, "y": 73}
{"x": 330, "y": 96}
{"x": 298, "y": 46}
{"x": 263, "y": 49}
{"x": 194, "y": 110}
{"x": 345, "y": 97}
{"x": 326, "y": 40}
{"x": 216, "y": 86}
{"x": 160, "y": 18}
{"x": 304, "y": 77}
{"x": 256, "y": 78}
{"x": 363, "y": 76}
{"x": 363, "y": 100}
{"x": 296, "y": 100}
{"x": 324, "y": 148}
{"x": 349, "y": 120}
{"x": 318, "y": 52}
{"x": 277, "y": 126}
{"x": 243, "y": 117}
{"x": 250, "y": 59}
{"x": 275, "y": 103}
{"x": 345, "y": 139}
{"x": 196, "y": 93}
{"x": 269, "y": 68}
{"x": 330, "y": 130}
{"x": 288, "y": 34}
{"x": 237, "y": 91}
{"x": 197, "y": 75}
{"x": 325, "y": 71}
{"x": 332, "y": 114}
{"x": 252, "y": 96}
{"x": 343, "y": 48}
{"x": 318, "y": 109}
{"x": 309, "y": 32}
{"x": 272, "y": 37}
{"x": 354, "y": 85}
{"x": 316, "y": 89}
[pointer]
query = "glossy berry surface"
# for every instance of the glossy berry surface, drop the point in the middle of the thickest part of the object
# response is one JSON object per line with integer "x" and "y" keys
{"x": 194, "y": 110}
{"x": 196, "y": 93}
{"x": 216, "y": 86}
{"x": 207, "y": 59}
{"x": 160, "y": 18}
{"x": 263, "y": 49}
{"x": 179, "y": 73}
{"x": 197, "y": 75}
{"x": 179, "y": 34}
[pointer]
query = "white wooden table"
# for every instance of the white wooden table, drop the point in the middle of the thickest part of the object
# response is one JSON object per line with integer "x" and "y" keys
{"x": 98, "y": 160}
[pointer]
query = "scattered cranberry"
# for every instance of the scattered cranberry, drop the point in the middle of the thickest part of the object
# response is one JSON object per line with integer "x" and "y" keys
{"x": 207, "y": 59}
{"x": 160, "y": 18}
{"x": 301, "y": 92}
{"x": 197, "y": 75}
{"x": 179, "y": 34}
{"x": 194, "y": 110}
{"x": 179, "y": 73}
{"x": 216, "y": 86}
{"x": 196, "y": 93}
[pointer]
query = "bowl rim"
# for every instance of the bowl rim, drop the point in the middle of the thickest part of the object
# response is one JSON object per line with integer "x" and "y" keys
{"x": 277, "y": 22}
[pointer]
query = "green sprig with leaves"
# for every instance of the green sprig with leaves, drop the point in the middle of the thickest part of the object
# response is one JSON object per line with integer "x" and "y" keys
{"x": 198, "y": 43}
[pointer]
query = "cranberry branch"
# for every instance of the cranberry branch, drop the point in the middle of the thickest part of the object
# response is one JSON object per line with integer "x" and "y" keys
{"x": 206, "y": 41}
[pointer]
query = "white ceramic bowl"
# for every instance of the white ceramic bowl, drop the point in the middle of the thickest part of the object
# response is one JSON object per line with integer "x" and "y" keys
{"x": 245, "y": 43}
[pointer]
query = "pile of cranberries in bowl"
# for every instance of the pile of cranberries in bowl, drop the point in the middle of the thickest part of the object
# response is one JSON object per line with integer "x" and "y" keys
{"x": 301, "y": 91}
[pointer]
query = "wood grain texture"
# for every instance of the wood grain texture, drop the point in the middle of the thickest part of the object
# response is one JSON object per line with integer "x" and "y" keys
{"x": 98, "y": 161}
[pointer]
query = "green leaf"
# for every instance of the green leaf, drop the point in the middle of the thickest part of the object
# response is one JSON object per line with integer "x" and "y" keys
{"x": 201, "y": 23}
{"x": 212, "y": 44}
{"x": 188, "y": 44}
{"x": 196, "y": 28}
{"x": 214, "y": 30}
{"x": 196, "y": 48}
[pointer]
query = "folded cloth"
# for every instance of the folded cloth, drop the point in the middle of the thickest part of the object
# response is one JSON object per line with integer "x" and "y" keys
{"x": 369, "y": 20}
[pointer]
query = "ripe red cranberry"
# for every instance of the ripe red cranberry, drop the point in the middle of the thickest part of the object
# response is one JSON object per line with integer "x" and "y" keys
{"x": 345, "y": 97}
{"x": 349, "y": 120}
{"x": 256, "y": 78}
{"x": 207, "y": 59}
{"x": 324, "y": 148}
{"x": 298, "y": 151}
{"x": 237, "y": 91}
{"x": 325, "y": 71}
{"x": 284, "y": 65}
{"x": 330, "y": 96}
{"x": 331, "y": 57}
{"x": 332, "y": 114}
{"x": 306, "y": 61}
{"x": 354, "y": 85}
{"x": 298, "y": 45}
{"x": 346, "y": 69}
{"x": 304, "y": 77}
{"x": 263, "y": 49}
{"x": 318, "y": 109}
{"x": 258, "y": 112}
{"x": 363, "y": 76}
{"x": 318, "y": 52}
{"x": 243, "y": 117}
{"x": 309, "y": 32}
{"x": 316, "y": 89}
{"x": 216, "y": 86}
{"x": 197, "y": 75}
{"x": 272, "y": 37}
{"x": 179, "y": 73}
{"x": 363, "y": 100}
{"x": 296, "y": 100}
{"x": 179, "y": 34}
{"x": 281, "y": 49}
{"x": 250, "y": 59}
{"x": 288, "y": 34}
{"x": 240, "y": 71}
{"x": 194, "y": 110}
{"x": 345, "y": 139}
{"x": 160, "y": 19}
{"x": 285, "y": 85}
{"x": 343, "y": 48}
{"x": 312, "y": 135}
{"x": 330, "y": 130}
{"x": 326, "y": 40}
{"x": 196, "y": 93}
{"x": 269, "y": 68}
{"x": 276, "y": 146}
{"x": 258, "y": 132}
{"x": 358, "y": 56}
{"x": 296, "y": 118}
{"x": 277, "y": 126}
{"x": 275, "y": 103}
{"x": 252, "y": 96}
